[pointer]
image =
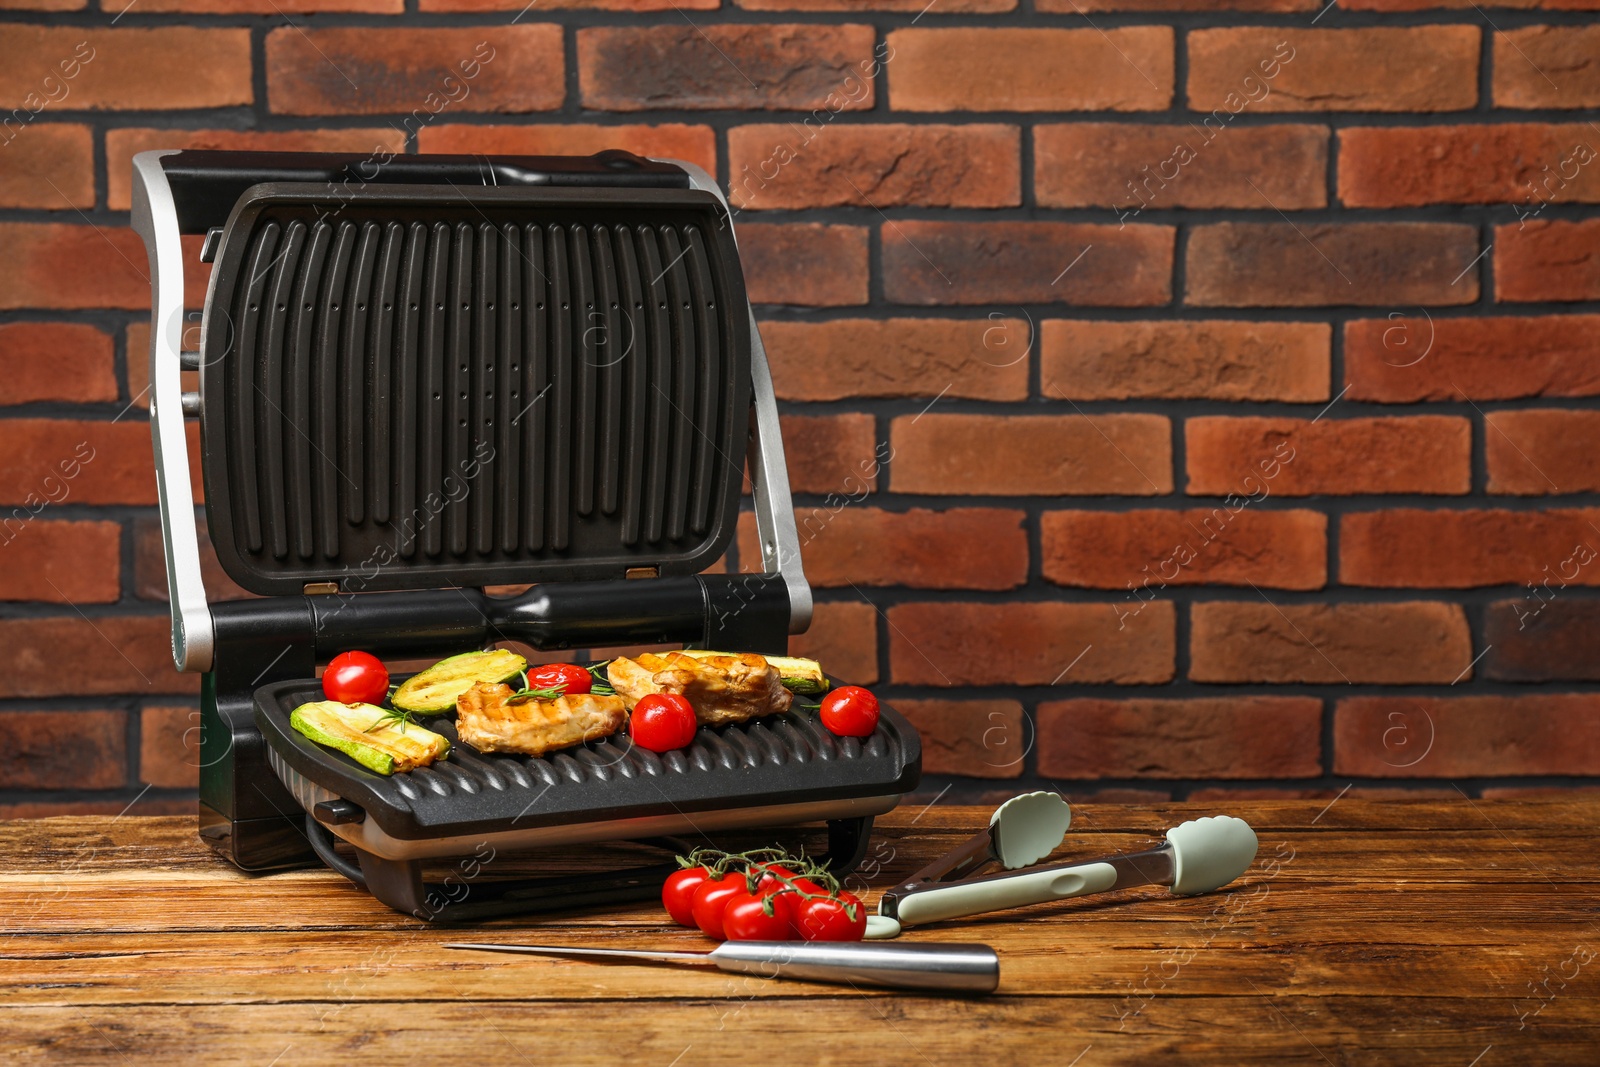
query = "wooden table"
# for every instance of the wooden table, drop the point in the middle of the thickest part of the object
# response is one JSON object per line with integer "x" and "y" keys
{"x": 1460, "y": 933}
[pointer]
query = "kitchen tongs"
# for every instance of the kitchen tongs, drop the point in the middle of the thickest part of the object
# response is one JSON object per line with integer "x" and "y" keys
{"x": 1198, "y": 856}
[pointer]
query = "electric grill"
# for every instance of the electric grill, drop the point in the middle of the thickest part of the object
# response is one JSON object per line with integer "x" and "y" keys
{"x": 425, "y": 375}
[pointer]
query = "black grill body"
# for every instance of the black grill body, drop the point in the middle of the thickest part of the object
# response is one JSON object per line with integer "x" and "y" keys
{"x": 433, "y": 374}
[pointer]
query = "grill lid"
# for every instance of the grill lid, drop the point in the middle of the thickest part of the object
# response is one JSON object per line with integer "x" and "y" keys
{"x": 417, "y": 386}
{"x": 781, "y": 759}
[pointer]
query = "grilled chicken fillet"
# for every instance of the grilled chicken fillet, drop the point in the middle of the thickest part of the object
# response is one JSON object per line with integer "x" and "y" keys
{"x": 489, "y": 721}
{"x": 721, "y": 689}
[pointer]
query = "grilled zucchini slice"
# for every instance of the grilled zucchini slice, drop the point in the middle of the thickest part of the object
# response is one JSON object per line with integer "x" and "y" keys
{"x": 377, "y": 739}
{"x": 802, "y": 676}
{"x": 435, "y": 690}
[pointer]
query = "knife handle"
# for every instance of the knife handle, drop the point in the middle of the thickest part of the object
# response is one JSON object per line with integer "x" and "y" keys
{"x": 1002, "y": 892}
{"x": 952, "y": 968}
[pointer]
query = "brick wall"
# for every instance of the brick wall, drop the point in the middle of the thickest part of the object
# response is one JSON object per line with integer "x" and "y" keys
{"x": 1180, "y": 401}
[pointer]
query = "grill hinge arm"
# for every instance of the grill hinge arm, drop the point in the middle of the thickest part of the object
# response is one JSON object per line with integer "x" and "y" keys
{"x": 769, "y": 476}
{"x": 155, "y": 219}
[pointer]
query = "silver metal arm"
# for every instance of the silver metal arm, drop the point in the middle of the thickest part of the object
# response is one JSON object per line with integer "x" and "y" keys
{"x": 155, "y": 219}
{"x": 769, "y": 475}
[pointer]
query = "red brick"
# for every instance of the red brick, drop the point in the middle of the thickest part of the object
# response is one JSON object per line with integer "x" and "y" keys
{"x": 804, "y": 263}
{"x": 1044, "y": 455}
{"x": 1273, "y": 68}
{"x": 60, "y": 562}
{"x": 1429, "y": 5}
{"x": 563, "y": 5}
{"x": 831, "y": 453}
{"x": 419, "y": 73}
{"x": 1547, "y": 261}
{"x": 1411, "y": 356}
{"x": 1385, "y": 644}
{"x": 1467, "y": 737}
{"x": 1340, "y": 457}
{"x": 928, "y": 262}
{"x": 952, "y": 644}
{"x": 961, "y": 548}
{"x": 273, "y": 7}
{"x": 818, "y": 164}
{"x": 755, "y": 66}
{"x": 150, "y": 565}
{"x": 63, "y": 265}
{"x": 169, "y": 747}
{"x": 1542, "y": 636}
{"x": 972, "y": 738}
{"x": 1130, "y": 167}
{"x": 63, "y": 749}
{"x": 49, "y": 461}
{"x": 1083, "y": 360}
{"x": 1482, "y": 164}
{"x": 1535, "y": 453}
{"x": 1547, "y": 67}
{"x": 1222, "y": 737}
{"x": 945, "y": 7}
{"x": 1408, "y": 548}
{"x": 672, "y": 140}
{"x": 983, "y": 359}
{"x": 970, "y": 69}
{"x": 843, "y": 638}
{"x": 55, "y": 361}
{"x": 48, "y": 165}
{"x": 122, "y": 145}
{"x": 1155, "y": 549}
{"x": 1282, "y": 264}
{"x": 74, "y": 656}
{"x": 123, "y": 69}
{"x": 1075, "y": 7}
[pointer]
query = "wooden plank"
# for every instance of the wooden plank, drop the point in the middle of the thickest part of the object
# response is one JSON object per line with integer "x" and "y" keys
{"x": 1122, "y": 959}
{"x": 1261, "y": 1029}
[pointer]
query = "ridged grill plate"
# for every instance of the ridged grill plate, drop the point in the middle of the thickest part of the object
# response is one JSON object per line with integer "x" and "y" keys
{"x": 417, "y": 386}
{"x": 780, "y": 759}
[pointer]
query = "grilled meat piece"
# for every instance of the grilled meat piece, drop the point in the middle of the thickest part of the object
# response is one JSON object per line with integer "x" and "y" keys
{"x": 490, "y": 721}
{"x": 721, "y": 689}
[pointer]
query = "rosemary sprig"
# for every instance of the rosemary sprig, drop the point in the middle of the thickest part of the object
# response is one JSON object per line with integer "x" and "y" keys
{"x": 601, "y": 687}
{"x": 527, "y": 692}
{"x": 401, "y": 719}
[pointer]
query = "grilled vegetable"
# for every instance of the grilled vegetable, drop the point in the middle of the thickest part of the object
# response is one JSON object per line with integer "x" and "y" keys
{"x": 377, "y": 739}
{"x": 798, "y": 675}
{"x": 435, "y": 690}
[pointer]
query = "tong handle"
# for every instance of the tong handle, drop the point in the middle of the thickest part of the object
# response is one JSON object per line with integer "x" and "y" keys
{"x": 1006, "y": 891}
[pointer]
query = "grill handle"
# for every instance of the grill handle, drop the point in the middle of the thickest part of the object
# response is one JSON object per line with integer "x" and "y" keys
{"x": 742, "y": 612}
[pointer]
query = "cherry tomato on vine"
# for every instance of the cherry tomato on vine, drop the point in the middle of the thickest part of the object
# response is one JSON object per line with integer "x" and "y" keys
{"x": 745, "y": 918}
{"x": 850, "y": 711}
{"x": 772, "y": 878}
{"x": 828, "y": 918}
{"x": 711, "y": 899}
{"x": 662, "y": 722}
{"x": 356, "y": 678}
{"x": 677, "y": 895}
{"x": 569, "y": 678}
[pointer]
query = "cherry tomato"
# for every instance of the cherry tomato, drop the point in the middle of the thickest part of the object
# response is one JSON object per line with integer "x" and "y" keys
{"x": 771, "y": 878}
{"x": 850, "y": 711}
{"x": 569, "y": 678}
{"x": 678, "y": 893}
{"x": 356, "y": 678}
{"x": 710, "y": 900}
{"x": 662, "y": 722}
{"x": 828, "y": 919}
{"x": 745, "y": 918}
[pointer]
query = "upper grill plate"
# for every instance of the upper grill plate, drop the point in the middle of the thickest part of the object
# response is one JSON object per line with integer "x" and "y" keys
{"x": 416, "y": 386}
